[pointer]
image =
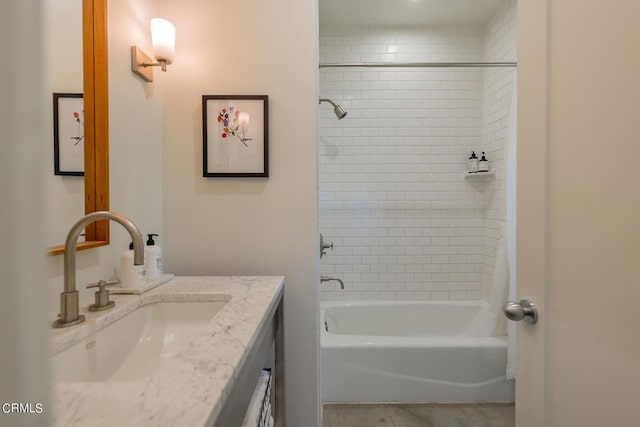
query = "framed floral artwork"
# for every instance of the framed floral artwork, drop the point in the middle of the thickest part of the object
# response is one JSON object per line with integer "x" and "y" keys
{"x": 68, "y": 134}
{"x": 235, "y": 140}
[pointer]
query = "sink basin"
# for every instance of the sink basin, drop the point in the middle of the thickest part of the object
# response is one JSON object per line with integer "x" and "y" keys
{"x": 134, "y": 346}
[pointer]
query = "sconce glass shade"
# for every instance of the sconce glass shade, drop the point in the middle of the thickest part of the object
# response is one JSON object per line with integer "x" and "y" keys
{"x": 163, "y": 38}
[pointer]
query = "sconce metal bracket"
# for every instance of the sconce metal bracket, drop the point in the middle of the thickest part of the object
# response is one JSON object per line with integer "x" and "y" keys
{"x": 138, "y": 59}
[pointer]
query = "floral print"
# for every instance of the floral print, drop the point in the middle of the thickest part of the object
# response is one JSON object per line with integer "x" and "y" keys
{"x": 231, "y": 125}
{"x": 78, "y": 118}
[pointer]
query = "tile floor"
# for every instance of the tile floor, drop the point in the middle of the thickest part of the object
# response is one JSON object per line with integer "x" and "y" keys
{"x": 419, "y": 415}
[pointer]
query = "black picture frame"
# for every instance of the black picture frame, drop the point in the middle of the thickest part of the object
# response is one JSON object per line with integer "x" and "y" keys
{"x": 68, "y": 134}
{"x": 235, "y": 136}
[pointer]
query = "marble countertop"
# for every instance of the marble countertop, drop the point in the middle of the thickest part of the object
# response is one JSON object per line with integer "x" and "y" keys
{"x": 188, "y": 390}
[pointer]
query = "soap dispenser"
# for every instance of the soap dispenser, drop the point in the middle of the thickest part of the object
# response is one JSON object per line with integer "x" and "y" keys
{"x": 131, "y": 276}
{"x": 152, "y": 258}
{"x": 483, "y": 164}
{"x": 473, "y": 163}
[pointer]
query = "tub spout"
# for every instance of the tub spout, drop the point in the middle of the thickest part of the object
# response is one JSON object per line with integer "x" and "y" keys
{"x": 335, "y": 279}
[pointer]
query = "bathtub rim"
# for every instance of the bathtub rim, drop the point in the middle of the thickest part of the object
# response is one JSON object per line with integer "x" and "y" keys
{"x": 332, "y": 340}
{"x": 347, "y": 303}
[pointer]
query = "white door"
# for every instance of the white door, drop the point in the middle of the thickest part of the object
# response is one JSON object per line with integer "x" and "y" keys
{"x": 579, "y": 212}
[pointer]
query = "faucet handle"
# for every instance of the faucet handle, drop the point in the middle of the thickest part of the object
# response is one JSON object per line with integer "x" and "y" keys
{"x": 102, "y": 284}
{"x": 324, "y": 246}
{"x": 102, "y": 295}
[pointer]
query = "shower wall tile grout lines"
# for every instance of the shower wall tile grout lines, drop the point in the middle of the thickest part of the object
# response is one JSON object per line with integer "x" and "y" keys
{"x": 405, "y": 223}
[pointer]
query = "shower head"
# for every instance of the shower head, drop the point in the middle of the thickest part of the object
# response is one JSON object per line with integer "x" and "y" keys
{"x": 337, "y": 108}
{"x": 339, "y": 112}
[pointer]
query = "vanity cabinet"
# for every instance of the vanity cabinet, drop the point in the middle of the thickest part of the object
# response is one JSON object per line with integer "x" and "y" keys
{"x": 267, "y": 353}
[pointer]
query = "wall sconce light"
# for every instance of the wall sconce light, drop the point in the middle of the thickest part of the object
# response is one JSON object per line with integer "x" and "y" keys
{"x": 163, "y": 38}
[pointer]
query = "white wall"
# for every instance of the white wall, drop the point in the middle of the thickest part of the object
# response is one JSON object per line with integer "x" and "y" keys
{"x": 135, "y": 124}
{"x": 222, "y": 226}
{"x": 23, "y": 372}
{"x": 135, "y": 152}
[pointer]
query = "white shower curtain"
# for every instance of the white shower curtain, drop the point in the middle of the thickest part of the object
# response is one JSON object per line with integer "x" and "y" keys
{"x": 504, "y": 273}
{"x": 510, "y": 208}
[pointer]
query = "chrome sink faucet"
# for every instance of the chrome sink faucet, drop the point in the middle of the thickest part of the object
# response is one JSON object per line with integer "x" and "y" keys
{"x": 329, "y": 279}
{"x": 69, "y": 298}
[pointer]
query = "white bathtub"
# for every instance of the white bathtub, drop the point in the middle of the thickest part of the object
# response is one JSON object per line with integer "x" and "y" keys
{"x": 431, "y": 351}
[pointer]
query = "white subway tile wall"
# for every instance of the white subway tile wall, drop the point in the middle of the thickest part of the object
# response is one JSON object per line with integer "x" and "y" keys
{"x": 404, "y": 223}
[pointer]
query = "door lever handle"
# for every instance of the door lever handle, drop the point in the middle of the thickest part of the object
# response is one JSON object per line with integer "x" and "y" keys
{"x": 524, "y": 310}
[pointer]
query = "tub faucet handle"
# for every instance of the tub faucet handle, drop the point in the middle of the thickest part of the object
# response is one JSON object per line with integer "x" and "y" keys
{"x": 324, "y": 246}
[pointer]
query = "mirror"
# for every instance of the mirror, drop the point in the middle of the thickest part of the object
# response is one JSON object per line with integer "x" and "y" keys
{"x": 96, "y": 122}
{"x": 63, "y": 85}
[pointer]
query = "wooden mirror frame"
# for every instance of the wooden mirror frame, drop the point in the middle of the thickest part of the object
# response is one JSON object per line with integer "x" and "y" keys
{"x": 96, "y": 125}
